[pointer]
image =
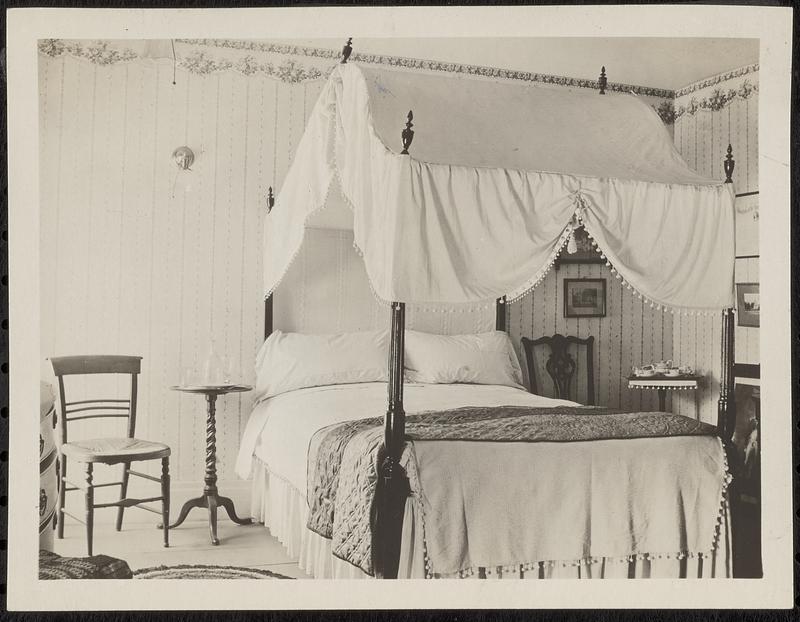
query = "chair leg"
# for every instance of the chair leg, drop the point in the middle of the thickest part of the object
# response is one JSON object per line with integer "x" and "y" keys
{"x": 165, "y": 499}
{"x": 62, "y": 484}
{"x": 89, "y": 507}
{"x": 123, "y": 493}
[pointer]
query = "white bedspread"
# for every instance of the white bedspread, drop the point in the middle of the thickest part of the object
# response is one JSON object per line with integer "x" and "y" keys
{"x": 575, "y": 501}
{"x": 657, "y": 497}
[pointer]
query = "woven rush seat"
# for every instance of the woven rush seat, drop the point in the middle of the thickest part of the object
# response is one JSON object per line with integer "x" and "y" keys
{"x": 52, "y": 566}
{"x": 114, "y": 450}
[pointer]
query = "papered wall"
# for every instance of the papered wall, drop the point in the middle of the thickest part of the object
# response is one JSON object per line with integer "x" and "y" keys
{"x": 134, "y": 262}
{"x": 139, "y": 260}
{"x": 710, "y": 115}
{"x": 631, "y": 333}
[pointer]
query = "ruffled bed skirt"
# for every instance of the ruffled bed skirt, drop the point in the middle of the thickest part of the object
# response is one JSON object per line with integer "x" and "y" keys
{"x": 284, "y": 511}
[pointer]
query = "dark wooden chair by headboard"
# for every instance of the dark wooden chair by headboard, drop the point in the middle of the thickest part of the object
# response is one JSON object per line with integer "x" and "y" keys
{"x": 561, "y": 365}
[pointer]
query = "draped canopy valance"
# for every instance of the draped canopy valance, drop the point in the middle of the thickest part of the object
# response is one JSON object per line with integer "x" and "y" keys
{"x": 497, "y": 177}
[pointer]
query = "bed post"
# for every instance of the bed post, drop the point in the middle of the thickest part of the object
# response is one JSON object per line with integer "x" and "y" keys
{"x": 726, "y": 406}
{"x": 393, "y": 485}
{"x": 267, "y": 316}
{"x": 500, "y": 314}
{"x": 268, "y": 299}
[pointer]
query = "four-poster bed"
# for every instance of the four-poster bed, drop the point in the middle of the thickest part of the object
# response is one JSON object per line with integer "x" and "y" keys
{"x": 502, "y": 178}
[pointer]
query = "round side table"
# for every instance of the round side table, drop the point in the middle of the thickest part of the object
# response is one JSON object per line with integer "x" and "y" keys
{"x": 211, "y": 498}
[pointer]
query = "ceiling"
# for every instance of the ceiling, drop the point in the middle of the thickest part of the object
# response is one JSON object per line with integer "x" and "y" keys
{"x": 657, "y": 62}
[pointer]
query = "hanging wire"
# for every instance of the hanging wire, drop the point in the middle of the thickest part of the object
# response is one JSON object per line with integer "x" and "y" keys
{"x": 174, "y": 60}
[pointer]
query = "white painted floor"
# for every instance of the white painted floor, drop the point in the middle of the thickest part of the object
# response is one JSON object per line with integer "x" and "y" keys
{"x": 140, "y": 544}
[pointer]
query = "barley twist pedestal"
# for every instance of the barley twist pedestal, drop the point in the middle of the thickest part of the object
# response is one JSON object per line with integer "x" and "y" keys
{"x": 211, "y": 498}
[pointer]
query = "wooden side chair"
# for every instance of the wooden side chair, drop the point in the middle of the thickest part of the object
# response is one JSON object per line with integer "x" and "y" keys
{"x": 110, "y": 451}
{"x": 561, "y": 365}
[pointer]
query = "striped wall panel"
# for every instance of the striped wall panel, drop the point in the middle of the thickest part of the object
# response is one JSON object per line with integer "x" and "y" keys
{"x": 702, "y": 138}
{"x": 139, "y": 259}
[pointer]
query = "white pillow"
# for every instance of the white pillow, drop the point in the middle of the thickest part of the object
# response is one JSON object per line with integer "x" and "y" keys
{"x": 290, "y": 361}
{"x": 487, "y": 358}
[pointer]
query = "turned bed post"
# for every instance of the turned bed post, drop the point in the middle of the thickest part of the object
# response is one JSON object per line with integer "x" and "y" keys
{"x": 393, "y": 484}
{"x": 500, "y": 313}
{"x": 267, "y": 316}
{"x": 726, "y": 406}
{"x": 268, "y": 299}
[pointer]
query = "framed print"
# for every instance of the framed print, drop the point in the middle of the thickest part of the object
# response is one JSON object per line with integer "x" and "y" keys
{"x": 748, "y": 305}
{"x": 584, "y": 297}
{"x": 586, "y": 253}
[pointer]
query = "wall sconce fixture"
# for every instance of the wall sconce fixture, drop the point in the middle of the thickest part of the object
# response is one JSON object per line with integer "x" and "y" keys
{"x": 184, "y": 158}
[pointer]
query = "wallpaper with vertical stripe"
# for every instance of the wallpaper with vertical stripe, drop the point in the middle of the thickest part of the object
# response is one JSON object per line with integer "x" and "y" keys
{"x": 139, "y": 258}
{"x": 724, "y": 113}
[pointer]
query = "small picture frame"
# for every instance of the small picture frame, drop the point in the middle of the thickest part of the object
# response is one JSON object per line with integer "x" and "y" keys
{"x": 748, "y": 305}
{"x": 584, "y": 297}
{"x": 586, "y": 253}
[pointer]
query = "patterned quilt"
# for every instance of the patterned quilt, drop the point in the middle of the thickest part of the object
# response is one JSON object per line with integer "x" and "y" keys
{"x": 343, "y": 465}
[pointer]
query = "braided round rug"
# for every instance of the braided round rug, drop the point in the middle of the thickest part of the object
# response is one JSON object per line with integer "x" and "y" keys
{"x": 205, "y": 571}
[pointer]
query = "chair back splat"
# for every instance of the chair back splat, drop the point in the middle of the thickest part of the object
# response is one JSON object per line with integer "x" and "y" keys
{"x": 97, "y": 408}
{"x": 560, "y": 365}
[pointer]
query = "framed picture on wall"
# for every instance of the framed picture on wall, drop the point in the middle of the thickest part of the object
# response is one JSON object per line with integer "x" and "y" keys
{"x": 586, "y": 253}
{"x": 584, "y": 297}
{"x": 748, "y": 304}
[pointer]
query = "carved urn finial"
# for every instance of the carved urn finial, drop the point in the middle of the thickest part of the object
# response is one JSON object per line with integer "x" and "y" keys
{"x": 729, "y": 165}
{"x": 603, "y": 81}
{"x": 270, "y": 200}
{"x": 347, "y": 50}
{"x": 408, "y": 134}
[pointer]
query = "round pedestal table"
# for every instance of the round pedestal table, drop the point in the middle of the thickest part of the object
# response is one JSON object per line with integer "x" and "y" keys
{"x": 210, "y": 498}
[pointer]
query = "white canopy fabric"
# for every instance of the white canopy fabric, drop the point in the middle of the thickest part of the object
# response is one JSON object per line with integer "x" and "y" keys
{"x": 497, "y": 177}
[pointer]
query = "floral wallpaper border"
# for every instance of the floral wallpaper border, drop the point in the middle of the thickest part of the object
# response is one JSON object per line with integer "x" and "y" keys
{"x": 431, "y": 65}
{"x": 288, "y": 71}
{"x": 723, "y": 77}
{"x": 195, "y": 62}
{"x": 100, "y": 53}
{"x": 199, "y": 62}
{"x": 292, "y": 71}
{"x": 717, "y": 100}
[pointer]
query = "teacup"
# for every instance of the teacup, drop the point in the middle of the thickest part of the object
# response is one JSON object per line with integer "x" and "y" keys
{"x": 662, "y": 366}
{"x": 673, "y": 371}
{"x": 686, "y": 370}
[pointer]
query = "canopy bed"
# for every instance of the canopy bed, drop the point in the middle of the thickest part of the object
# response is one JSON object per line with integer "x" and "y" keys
{"x": 472, "y": 205}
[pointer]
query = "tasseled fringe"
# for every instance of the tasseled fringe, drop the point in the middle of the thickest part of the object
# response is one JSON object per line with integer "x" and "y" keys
{"x": 566, "y": 235}
{"x": 654, "y": 304}
{"x": 566, "y": 240}
{"x": 519, "y": 569}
